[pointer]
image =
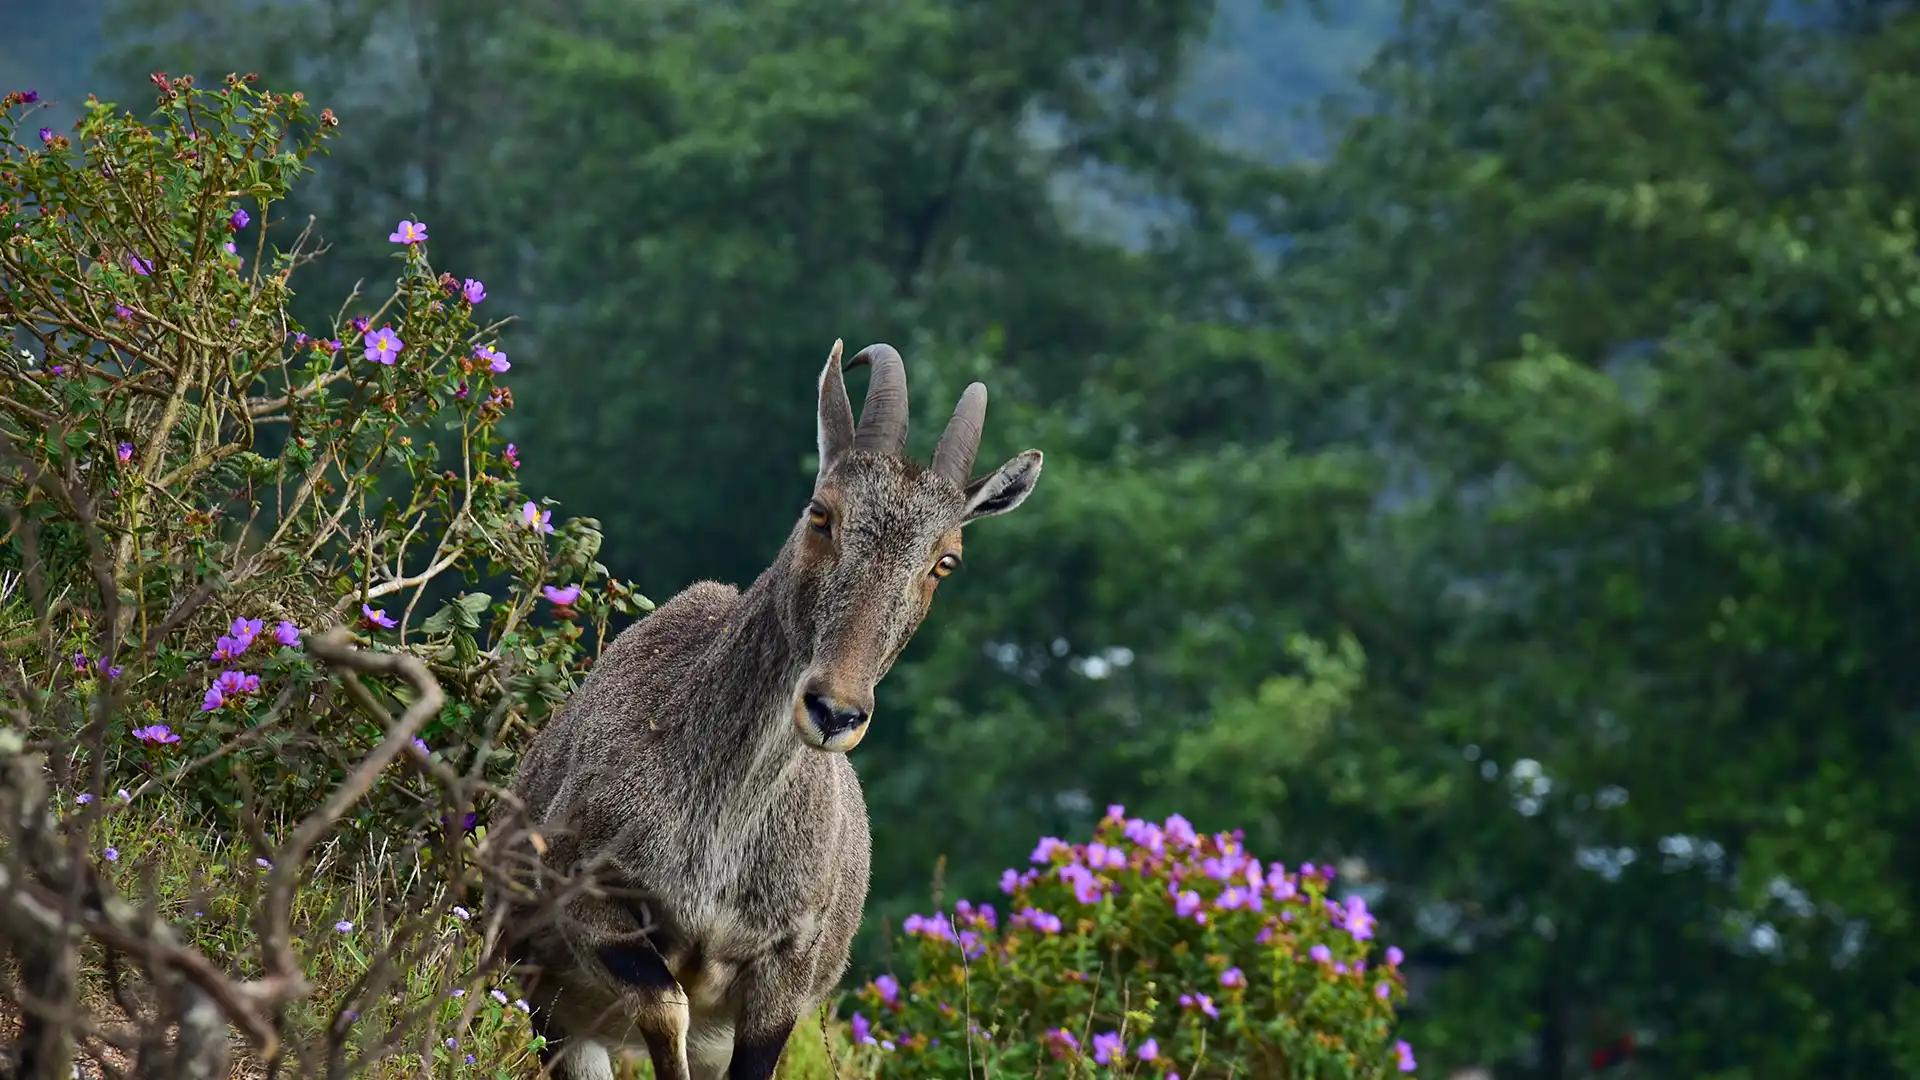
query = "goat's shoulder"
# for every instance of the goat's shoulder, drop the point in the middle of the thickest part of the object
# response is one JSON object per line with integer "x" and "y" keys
{"x": 660, "y": 646}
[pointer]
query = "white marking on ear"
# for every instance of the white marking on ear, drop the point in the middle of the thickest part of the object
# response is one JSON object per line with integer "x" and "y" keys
{"x": 1004, "y": 488}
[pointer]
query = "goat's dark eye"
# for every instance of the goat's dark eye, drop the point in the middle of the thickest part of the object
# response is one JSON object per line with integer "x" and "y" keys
{"x": 819, "y": 517}
{"x": 947, "y": 565}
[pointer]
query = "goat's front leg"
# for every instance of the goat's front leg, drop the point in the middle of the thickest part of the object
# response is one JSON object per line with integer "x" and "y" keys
{"x": 757, "y": 1046}
{"x": 768, "y": 1011}
{"x": 657, "y": 1004}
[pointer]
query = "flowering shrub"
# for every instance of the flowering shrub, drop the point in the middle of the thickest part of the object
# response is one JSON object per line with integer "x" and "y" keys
{"x": 204, "y": 478}
{"x": 276, "y": 580}
{"x": 1152, "y": 950}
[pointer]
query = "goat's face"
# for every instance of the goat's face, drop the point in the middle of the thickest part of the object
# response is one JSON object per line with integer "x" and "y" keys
{"x": 875, "y": 540}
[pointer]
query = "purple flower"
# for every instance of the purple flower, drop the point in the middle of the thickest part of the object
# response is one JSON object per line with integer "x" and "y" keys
{"x": 1044, "y": 922}
{"x": 359, "y": 323}
{"x": 246, "y": 629}
{"x": 1187, "y": 904}
{"x": 1232, "y": 898}
{"x": 156, "y": 734}
{"x": 512, "y": 456}
{"x": 112, "y": 854}
{"x": 1233, "y": 978}
{"x": 1280, "y": 885}
{"x": 384, "y": 346}
{"x": 862, "y": 1030}
{"x": 534, "y": 518}
{"x": 46, "y": 136}
{"x": 1146, "y": 834}
{"x": 1009, "y": 881}
{"x": 470, "y": 1059}
{"x": 28, "y": 97}
{"x": 498, "y": 995}
{"x": 213, "y": 700}
{"x": 1359, "y": 920}
{"x": 139, "y": 264}
{"x": 123, "y": 451}
{"x": 1394, "y": 956}
{"x": 1201, "y": 1002}
{"x": 1086, "y": 888}
{"x": 377, "y": 617}
{"x": 239, "y": 220}
{"x": 561, "y": 597}
{"x": 83, "y": 798}
{"x": 80, "y": 662}
{"x": 1043, "y": 851}
{"x": 888, "y": 988}
{"x": 409, "y": 232}
{"x": 496, "y": 360}
{"x": 1180, "y": 832}
{"x": 1382, "y": 991}
{"x": 1108, "y": 1048}
{"x": 263, "y": 863}
{"x": 344, "y": 926}
{"x": 332, "y": 345}
{"x": 286, "y": 634}
{"x": 1403, "y": 1056}
{"x": 521, "y": 1004}
{"x": 1062, "y": 1043}
{"x": 1102, "y": 857}
{"x": 461, "y": 913}
{"x": 231, "y": 248}
{"x": 232, "y": 684}
{"x": 1320, "y": 953}
{"x": 473, "y": 290}
{"x": 420, "y": 744}
{"x": 1148, "y": 1050}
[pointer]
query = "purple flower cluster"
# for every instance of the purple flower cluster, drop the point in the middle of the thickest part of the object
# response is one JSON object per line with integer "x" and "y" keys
{"x": 237, "y": 640}
{"x": 233, "y": 684}
{"x": 1241, "y": 929}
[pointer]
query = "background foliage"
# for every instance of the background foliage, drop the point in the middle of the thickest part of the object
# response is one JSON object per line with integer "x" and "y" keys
{"x": 1501, "y": 487}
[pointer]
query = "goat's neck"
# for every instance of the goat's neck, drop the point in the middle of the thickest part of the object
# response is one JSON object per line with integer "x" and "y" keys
{"x": 749, "y": 747}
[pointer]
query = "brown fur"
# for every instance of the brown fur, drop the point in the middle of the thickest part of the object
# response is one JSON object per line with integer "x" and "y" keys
{"x": 692, "y": 771}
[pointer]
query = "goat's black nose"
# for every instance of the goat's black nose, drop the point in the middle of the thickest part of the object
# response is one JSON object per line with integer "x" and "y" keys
{"x": 830, "y": 717}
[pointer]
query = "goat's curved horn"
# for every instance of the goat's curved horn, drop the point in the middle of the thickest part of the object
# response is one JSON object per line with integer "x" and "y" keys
{"x": 883, "y": 419}
{"x": 836, "y": 412}
{"x": 953, "y": 458}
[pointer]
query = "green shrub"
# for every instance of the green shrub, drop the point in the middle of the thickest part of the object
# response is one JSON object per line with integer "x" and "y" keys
{"x": 202, "y": 499}
{"x": 1151, "y": 950}
{"x": 200, "y": 476}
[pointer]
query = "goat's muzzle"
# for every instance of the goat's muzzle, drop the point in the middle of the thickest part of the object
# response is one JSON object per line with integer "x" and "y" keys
{"x": 830, "y": 721}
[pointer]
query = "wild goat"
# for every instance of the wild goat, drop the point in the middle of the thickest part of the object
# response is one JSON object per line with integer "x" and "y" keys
{"x": 701, "y": 767}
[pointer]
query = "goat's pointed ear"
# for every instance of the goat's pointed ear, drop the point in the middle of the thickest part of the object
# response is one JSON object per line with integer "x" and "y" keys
{"x": 1004, "y": 488}
{"x": 836, "y": 413}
